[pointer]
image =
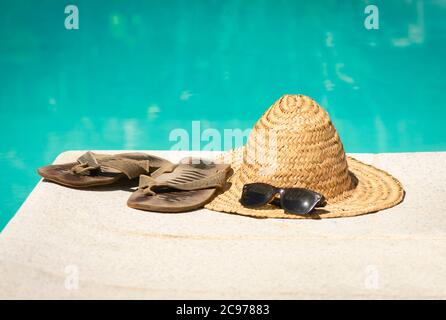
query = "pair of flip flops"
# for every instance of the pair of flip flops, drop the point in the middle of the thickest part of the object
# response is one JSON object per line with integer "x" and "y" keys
{"x": 163, "y": 186}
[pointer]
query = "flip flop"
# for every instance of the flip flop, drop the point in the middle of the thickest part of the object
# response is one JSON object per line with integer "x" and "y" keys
{"x": 189, "y": 186}
{"x": 92, "y": 169}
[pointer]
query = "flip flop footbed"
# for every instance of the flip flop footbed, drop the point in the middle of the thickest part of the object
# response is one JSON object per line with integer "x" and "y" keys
{"x": 174, "y": 201}
{"x": 61, "y": 173}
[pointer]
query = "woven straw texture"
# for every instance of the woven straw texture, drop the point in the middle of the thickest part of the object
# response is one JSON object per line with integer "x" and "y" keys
{"x": 294, "y": 144}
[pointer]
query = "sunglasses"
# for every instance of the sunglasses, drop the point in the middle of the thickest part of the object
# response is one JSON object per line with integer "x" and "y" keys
{"x": 293, "y": 200}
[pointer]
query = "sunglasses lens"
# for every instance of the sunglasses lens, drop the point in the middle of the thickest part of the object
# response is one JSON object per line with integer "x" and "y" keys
{"x": 300, "y": 201}
{"x": 256, "y": 194}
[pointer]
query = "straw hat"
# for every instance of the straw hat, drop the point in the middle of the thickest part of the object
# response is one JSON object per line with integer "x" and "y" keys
{"x": 294, "y": 144}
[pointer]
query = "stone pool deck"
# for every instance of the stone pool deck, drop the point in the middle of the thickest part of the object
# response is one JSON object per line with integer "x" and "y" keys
{"x": 66, "y": 243}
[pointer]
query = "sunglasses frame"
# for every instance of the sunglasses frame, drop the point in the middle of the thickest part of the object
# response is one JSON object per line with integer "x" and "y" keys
{"x": 279, "y": 201}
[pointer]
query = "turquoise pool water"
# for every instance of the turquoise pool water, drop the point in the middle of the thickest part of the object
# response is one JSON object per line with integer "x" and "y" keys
{"x": 136, "y": 70}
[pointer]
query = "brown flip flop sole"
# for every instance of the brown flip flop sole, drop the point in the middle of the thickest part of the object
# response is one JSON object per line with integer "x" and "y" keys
{"x": 173, "y": 201}
{"x": 61, "y": 174}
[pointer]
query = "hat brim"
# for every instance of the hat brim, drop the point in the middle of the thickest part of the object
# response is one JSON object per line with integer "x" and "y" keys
{"x": 375, "y": 190}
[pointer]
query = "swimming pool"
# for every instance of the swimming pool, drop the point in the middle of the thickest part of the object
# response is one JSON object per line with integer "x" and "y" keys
{"x": 136, "y": 70}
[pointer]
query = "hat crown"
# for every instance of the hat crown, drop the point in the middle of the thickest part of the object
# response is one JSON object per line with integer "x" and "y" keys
{"x": 294, "y": 144}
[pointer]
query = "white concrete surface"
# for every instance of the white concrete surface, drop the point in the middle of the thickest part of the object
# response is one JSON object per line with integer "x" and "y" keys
{"x": 66, "y": 243}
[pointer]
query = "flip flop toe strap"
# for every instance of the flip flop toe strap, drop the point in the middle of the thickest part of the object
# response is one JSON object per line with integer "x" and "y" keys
{"x": 83, "y": 169}
{"x": 146, "y": 183}
{"x": 89, "y": 162}
{"x": 86, "y": 164}
{"x": 187, "y": 180}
